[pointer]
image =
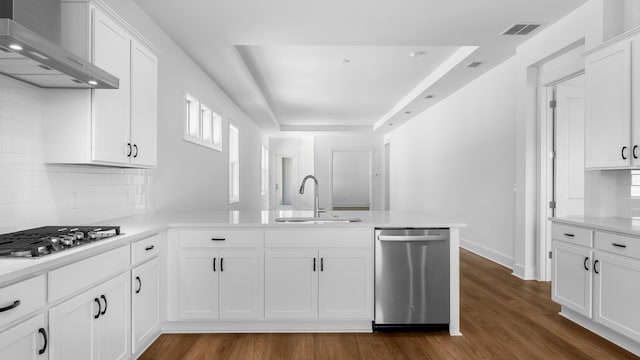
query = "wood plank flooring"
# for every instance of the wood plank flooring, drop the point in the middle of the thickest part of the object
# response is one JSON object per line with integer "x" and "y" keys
{"x": 502, "y": 317}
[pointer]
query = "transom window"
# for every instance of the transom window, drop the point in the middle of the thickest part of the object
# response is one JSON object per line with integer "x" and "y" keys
{"x": 203, "y": 126}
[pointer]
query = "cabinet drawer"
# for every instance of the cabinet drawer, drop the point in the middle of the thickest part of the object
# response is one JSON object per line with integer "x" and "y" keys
{"x": 572, "y": 234}
{"x": 79, "y": 275}
{"x": 219, "y": 238}
{"x": 619, "y": 244}
{"x": 21, "y": 299}
{"x": 319, "y": 238}
{"x": 145, "y": 249}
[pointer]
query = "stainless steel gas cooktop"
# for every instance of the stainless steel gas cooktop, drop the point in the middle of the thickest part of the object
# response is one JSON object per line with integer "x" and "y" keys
{"x": 37, "y": 242}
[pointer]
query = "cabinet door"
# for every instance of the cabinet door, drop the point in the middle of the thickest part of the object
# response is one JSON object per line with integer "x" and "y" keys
{"x": 144, "y": 105}
{"x": 608, "y": 99}
{"x": 572, "y": 277}
{"x": 635, "y": 106}
{"x": 199, "y": 284}
{"x": 145, "y": 300}
{"x": 25, "y": 341}
{"x": 617, "y": 293}
{"x": 111, "y": 110}
{"x": 238, "y": 285}
{"x": 114, "y": 322}
{"x": 345, "y": 284}
{"x": 72, "y": 327}
{"x": 291, "y": 284}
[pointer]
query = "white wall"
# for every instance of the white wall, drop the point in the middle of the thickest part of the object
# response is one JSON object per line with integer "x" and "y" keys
{"x": 325, "y": 144}
{"x": 506, "y": 97}
{"x": 188, "y": 175}
{"x": 34, "y": 194}
{"x": 457, "y": 160}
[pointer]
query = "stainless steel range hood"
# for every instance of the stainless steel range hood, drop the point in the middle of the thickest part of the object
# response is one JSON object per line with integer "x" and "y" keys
{"x": 29, "y": 50}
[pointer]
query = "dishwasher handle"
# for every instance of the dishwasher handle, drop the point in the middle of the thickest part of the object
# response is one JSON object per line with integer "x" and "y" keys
{"x": 405, "y": 238}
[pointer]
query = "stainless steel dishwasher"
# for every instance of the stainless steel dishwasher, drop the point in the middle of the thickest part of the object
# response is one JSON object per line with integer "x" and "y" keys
{"x": 411, "y": 279}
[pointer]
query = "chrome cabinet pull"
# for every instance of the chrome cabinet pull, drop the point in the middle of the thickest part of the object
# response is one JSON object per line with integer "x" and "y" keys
{"x": 569, "y": 235}
{"x": 586, "y": 266}
{"x": 619, "y": 245}
{"x": 149, "y": 248}
{"x": 622, "y": 153}
{"x": 139, "y": 284}
{"x": 595, "y": 266}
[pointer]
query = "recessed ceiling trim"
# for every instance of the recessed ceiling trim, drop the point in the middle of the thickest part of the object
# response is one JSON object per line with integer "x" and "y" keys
{"x": 454, "y": 60}
{"x": 326, "y": 128}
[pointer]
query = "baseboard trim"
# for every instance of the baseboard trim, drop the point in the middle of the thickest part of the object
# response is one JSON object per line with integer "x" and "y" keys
{"x": 266, "y": 326}
{"x": 603, "y": 331}
{"x": 487, "y": 253}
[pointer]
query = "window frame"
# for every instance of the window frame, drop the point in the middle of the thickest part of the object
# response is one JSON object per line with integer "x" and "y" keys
{"x": 205, "y": 114}
{"x": 264, "y": 170}
{"x": 234, "y": 164}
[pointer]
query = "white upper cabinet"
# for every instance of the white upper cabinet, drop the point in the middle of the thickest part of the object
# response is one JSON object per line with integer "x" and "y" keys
{"x": 144, "y": 105}
{"x": 111, "y": 108}
{"x": 608, "y": 113}
{"x": 115, "y": 127}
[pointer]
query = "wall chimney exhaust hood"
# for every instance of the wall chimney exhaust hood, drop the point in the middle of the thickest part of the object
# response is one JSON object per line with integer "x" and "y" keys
{"x": 29, "y": 50}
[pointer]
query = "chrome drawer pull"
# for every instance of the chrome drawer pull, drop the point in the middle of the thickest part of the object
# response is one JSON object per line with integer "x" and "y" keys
{"x": 569, "y": 235}
{"x": 218, "y": 239}
{"x": 149, "y": 248}
{"x": 619, "y": 245}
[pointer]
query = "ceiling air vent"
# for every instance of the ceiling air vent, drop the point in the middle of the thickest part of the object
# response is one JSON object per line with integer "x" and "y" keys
{"x": 520, "y": 29}
{"x": 474, "y": 64}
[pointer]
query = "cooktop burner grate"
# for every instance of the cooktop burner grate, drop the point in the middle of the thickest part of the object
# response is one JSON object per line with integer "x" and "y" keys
{"x": 37, "y": 242}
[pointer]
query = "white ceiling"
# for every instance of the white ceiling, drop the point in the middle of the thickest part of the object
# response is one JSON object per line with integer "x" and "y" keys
{"x": 282, "y": 62}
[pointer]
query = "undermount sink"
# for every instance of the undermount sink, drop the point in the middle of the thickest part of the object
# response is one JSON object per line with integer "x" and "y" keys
{"x": 316, "y": 220}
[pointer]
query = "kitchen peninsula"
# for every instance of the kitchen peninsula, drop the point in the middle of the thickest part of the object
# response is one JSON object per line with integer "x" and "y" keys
{"x": 204, "y": 271}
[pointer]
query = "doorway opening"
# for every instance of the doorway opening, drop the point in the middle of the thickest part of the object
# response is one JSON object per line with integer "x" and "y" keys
{"x": 564, "y": 160}
{"x": 351, "y": 180}
{"x": 286, "y": 181}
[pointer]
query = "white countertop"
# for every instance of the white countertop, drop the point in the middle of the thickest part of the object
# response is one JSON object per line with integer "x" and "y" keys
{"x": 137, "y": 227}
{"x": 613, "y": 224}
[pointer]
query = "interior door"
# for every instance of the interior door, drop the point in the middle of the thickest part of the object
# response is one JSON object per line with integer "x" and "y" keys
{"x": 569, "y": 134}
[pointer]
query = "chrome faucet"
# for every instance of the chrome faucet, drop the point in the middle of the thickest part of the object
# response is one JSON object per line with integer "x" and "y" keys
{"x": 316, "y": 206}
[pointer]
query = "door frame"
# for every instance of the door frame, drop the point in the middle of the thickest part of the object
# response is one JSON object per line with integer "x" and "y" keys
{"x": 278, "y": 179}
{"x": 546, "y": 175}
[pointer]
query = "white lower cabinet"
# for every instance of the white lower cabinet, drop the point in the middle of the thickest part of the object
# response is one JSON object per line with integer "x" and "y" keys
{"x": 291, "y": 284}
{"x": 25, "y": 341}
{"x": 94, "y": 324}
{"x": 219, "y": 284}
{"x": 572, "y": 277}
{"x": 318, "y": 283}
{"x": 617, "y": 293}
{"x": 598, "y": 279}
{"x": 145, "y": 302}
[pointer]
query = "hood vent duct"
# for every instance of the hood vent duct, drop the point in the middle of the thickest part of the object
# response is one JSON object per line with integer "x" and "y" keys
{"x": 29, "y": 50}
{"x": 520, "y": 29}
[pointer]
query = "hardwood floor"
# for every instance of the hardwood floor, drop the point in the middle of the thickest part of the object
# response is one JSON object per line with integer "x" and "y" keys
{"x": 502, "y": 317}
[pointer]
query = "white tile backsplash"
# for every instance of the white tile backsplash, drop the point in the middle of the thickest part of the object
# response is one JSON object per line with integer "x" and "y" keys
{"x": 33, "y": 193}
